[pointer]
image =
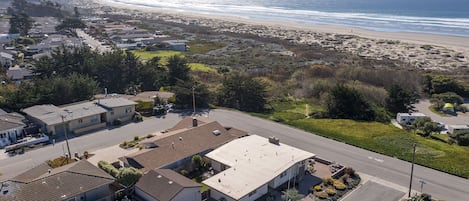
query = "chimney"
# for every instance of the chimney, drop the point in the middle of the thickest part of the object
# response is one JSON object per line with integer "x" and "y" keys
{"x": 194, "y": 122}
{"x": 274, "y": 140}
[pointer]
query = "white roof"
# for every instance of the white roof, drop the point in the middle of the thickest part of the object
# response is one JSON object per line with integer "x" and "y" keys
{"x": 51, "y": 114}
{"x": 253, "y": 161}
{"x": 115, "y": 102}
{"x": 460, "y": 126}
{"x": 415, "y": 114}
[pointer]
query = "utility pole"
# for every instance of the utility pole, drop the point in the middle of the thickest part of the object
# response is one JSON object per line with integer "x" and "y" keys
{"x": 412, "y": 169}
{"x": 66, "y": 135}
{"x": 193, "y": 99}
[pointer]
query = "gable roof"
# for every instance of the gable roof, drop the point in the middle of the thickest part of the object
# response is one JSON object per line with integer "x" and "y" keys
{"x": 60, "y": 184}
{"x": 10, "y": 121}
{"x": 18, "y": 73}
{"x": 164, "y": 184}
{"x": 253, "y": 162}
{"x": 110, "y": 103}
{"x": 179, "y": 144}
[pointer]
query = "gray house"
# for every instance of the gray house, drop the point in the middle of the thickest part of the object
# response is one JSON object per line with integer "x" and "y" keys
{"x": 79, "y": 181}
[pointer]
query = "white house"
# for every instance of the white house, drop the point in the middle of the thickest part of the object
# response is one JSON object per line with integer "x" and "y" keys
{"x": 248, "y": 166}
{"x": 11, "y": 128}
{"x": 117, "y": 108}
{"x": 455, "y": 128}
{"x": 408, "y": 118}
{"x": 167, "y": 185}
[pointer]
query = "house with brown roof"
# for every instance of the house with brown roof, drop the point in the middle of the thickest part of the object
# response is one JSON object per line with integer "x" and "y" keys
{"x": 176, "y": 147}
{"x": 79, "y": 181}
{"x": 167, "y": 185}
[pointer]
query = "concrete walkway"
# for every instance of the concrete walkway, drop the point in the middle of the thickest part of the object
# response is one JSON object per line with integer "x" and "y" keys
{"x": 110, "y": 154}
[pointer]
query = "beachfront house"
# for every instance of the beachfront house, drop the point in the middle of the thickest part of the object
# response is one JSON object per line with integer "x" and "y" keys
{"x": 177, "y": 45}
{"x": 167, "y": 185}
{"x": 18, "y": 74}
{"x": 247, "y": 167}
{"x": 408, "y": 118}
{"x": 179, "y": 144}
{"x": 6, "y": 59}
{"x": 79, "y": 181}
{"x": 80, "y": 117}
{"x": 11, "y": 128}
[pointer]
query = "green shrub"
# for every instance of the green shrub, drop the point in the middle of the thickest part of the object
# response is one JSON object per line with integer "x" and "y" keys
{"x": 339, "y": 185}
{"x": 129, "y": 176}
{"x": 331, "y": 191}
{"x": 321, "y": 195}
{"x": 108, "y": 168}
{"x": 328, "y": 181}
{"x": 136, "y": 138}
{"x": 350, "y": 171}
{"x": 318, "y": 188}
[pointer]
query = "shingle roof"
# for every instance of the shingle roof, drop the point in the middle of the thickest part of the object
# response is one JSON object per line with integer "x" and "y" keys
{"x": 164, "y": 184}
{"x": 176, "y": 145}
{"x": 115, "y": 102}
{"x": 10, "y": 121}
{"x": 61, "y": 184}
{"x": 18, "y": 73}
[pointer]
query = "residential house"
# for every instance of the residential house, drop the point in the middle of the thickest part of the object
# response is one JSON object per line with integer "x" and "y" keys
{"x": 80, "y": 117}
{"x": 249, "y": 166}
{"x": 408, "y": 118}
{"x": 452, "y": 129}
{"x": 54, "y": 41}
{"x": 117, "y": 108}
{"x": 18, "y": 74}
{"x": 179, "y": 144}
{"x": 167, "y": 185}
{"x": 79, "y": 181}
{"x": 6, "y": 59}
{"x": 11, "y": 128}
{"x": 178, "y": 45}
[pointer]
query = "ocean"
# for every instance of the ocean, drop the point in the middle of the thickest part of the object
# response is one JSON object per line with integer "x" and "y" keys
{"x": 444, "y": 17}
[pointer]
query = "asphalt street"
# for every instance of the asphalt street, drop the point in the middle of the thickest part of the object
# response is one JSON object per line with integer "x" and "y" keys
{"x": 372, "y": 191}
{"x": 439, "y": 184}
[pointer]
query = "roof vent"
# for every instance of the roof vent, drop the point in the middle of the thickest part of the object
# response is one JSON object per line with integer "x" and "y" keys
{"x": 170, "y": 182}
{"x": 216, "y": 132}
{"x": 159, "y": 176}
{"x": 274, "y": 140}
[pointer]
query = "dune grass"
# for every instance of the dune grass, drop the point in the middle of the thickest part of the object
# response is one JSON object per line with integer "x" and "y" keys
{"x": 163, "y": 54}
{"x": 378, "y": 137}
{"x": 201, "y": 68}
{"x": 201, "y": 47}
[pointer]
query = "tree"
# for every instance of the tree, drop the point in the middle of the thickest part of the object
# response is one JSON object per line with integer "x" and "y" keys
{"x": 183, "y": 93}
{"x": 399, "y": 100}
{"x": 426, "y": 125}
{"x": 178, "y": 69}
{"x": 76, "y": 13}
{"x": 20, "y": 23}
{"x": 128, "y": 176}
{"x": 291, "y": 195}
{"x": 421, "y": 197}
{"x": 70, "y": 23}
{"x": 347, "y": 103}
{"x": 243, "y": 93}
{"x": 197, "y": 162}
{"x": 461, "y": 137}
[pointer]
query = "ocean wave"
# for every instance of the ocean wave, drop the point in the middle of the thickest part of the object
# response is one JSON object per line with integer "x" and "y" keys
{"x": 373, "y": 21}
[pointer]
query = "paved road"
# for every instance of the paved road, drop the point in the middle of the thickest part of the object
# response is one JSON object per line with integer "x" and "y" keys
{"x": 422, "y": 107}
{"x": 439, "y": 184}
{"x": 90, "y": 142}
{"x": 94, "y": 44}
{"x": 372, "y": 191}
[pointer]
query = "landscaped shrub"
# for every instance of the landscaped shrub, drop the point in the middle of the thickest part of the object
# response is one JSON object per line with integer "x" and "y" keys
{"x": 350, "y": 171}
{"x": 136, "y": 138}
{"x": 128, "y": 176}
{"x": 339, "y": 185}
{"x": 328, "y": 181}
{"x": 321, "y": 195}
{"x": 108, "y": 168}
{"x": 331, "y": 191}
{"x": 318, "y": 188}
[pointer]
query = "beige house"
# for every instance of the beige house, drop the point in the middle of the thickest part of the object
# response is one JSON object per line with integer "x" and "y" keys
{"x": 80, "y": 117}
{"x": 167, "y": 185}
{"x": 247, "y": 167}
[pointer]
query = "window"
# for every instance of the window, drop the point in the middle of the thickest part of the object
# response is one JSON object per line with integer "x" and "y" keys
{"x": 112, "y": 112}
{"x": 283, "y": 174}
{"x": 128, "y": 110}
{"x": 252, "y": 193}
{"x": 80, "y": 121}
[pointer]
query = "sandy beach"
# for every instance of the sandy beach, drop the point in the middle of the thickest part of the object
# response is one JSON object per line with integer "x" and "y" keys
{"x": 422, "y": 51}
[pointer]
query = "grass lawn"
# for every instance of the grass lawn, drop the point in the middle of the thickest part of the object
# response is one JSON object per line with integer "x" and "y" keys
{"x": 201, "y": 68}
{"x": 438, "y": 112}
{"x": 378, "y": 137}
{"x": 163, "y": 54}
{"x": 201, "y": 47}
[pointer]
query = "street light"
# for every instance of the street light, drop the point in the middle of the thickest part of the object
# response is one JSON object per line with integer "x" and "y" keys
{"x": 66, "y": 135}
{"x": 412, "y": 169}
{"x": 193, "y": 99}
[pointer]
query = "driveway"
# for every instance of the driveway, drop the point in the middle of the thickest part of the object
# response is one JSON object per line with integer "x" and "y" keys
{"x": 423, "y": 105}
{"x": 371, "y": 191}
